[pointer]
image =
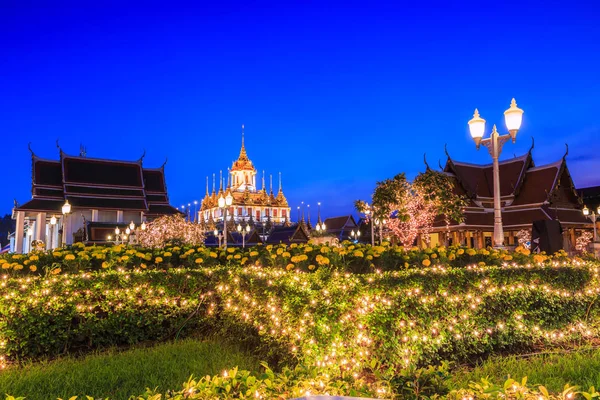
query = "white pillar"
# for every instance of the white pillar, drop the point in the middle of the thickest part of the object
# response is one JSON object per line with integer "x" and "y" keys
{"x": 40, "y": 227}
{"x": 68, "y": 229}
{"x": 94, "y": 215}
{"x": 19, "y": 231}
{"x": 120, "y": 216}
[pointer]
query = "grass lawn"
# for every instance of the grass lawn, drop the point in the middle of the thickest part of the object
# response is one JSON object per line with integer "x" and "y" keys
{"x": 119, "y": 374}
{"x": 581, "y": 368}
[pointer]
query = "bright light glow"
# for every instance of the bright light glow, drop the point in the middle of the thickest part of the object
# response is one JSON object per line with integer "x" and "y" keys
{"x": 247, "y": 228}
{"x": 221, "y": 201}
{"x": 143, "y": 226}
{"x": 216, "y": 232}
{"x": 586, "y": 211}
{"x": 132, "y": 226}
{"x": 239, "y": 227}
{"x": 477, "y": 126}
{"x": 53, "y": 220}
{"x": 66, "y": 208}
{"x": 128, "y": 231}
{"x": 513, "y": 117}
{"x": 323, "y": 226}
{"x": 229, "y": 199}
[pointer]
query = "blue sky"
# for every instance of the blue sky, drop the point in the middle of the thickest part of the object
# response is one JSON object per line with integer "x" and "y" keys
{"x": 334, "y": 95}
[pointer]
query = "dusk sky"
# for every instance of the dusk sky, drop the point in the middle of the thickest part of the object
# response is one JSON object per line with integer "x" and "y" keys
{"x": 335, "y": 96}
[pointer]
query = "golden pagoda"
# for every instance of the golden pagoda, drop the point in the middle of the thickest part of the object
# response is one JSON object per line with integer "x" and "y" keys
{"x": 249, "y": 205}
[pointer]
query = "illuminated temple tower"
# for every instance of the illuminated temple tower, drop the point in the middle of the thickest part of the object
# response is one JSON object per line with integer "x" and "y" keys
{"x": 250, "y": 204}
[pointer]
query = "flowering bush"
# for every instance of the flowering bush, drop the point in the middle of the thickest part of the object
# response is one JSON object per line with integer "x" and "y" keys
{"x": 170, "y": 229}
{"x": 355, "y": 317}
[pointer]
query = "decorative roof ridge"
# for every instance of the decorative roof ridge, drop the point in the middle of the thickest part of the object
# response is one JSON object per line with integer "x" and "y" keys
{"x": 503, "y": 162}
{"x": 93, "y": 159}
{"x": 556, "y": 164}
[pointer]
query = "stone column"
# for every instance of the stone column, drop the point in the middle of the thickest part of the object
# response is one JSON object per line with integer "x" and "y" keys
{"x": 94, "y": 215}
{"x": 120, "y": 216}
{"x": 40, "y": 227}
{"x": 19, "y": 231}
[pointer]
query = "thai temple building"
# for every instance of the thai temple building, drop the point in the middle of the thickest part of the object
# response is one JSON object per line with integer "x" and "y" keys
{"x": 528, "y": 193}
{"x": 249, "y": 203}
{"x": 97, "y": 194}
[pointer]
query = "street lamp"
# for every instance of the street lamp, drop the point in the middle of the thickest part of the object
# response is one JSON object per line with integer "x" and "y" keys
{"x": 321, "y": 228}
{"x": 218, "y": 235}
{"x": 243, "y": 232}
{"x": 593, "y": 217}
{"x": 355, "y": 235}
{"x": 224, "y": 204}
{"x": 369, "y": 211}
{"x": 513, "y": 118}
{"x": 66, "y": 210}
{"x": 380, "y": 225}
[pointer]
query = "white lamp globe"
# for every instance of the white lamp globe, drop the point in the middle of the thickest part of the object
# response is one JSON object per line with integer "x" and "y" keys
{"x": 513, "y": 118}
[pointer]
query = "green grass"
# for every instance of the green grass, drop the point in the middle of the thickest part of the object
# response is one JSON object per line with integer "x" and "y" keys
{"x": 119, "y": 374}
{"x": 581, "y": 368}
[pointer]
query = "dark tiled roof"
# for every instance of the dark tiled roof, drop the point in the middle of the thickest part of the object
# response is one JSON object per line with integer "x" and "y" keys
{"x": 154, "y": 180}
{"x": 39, "y": 204}
{"x": 47, "y": 173}
{"x": 291, "y": 234}
{"x": 101, "y": 172}
{"x": 338, "y": 223}
{"x": 97, "y": 184}
{"x": 162, "y": 209}
{"x": 478, "y": 179}
{"x": 108, "y": 203}
{"x": 538, "y": 184}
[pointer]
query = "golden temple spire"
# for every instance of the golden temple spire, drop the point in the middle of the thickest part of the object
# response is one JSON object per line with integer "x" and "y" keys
{"x": 228, "y": 176}
{"x": 271, "y": 183}
{"x": 206, "y": 185}
{"x": 264, "y": 189}
{"x": 280, "y": 187}
{"x": 213, "y": 183}
{"x": 220, "y": 181}
{"x": 243, "y": 156}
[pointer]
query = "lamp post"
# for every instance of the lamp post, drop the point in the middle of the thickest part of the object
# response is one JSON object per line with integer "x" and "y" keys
{"x": 513, "y": 118}
{"x": 224, "y": 204}
{"x": 243, "y": 232}
{"x": 66, "y": 210}
{"x": 321, "y": 228}
{"x": 52, "y": 227}
{"x": 380, "y": 226}
{"x": 593, "y": 217}
{"x": 196, "y": 211}
{"x": 369, "y": 211}
{"x": 355, "y": 235}
{"x": 218, "y": 235}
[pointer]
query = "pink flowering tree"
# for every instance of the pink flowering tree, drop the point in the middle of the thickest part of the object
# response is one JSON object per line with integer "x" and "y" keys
{"x": 170, "y": 229}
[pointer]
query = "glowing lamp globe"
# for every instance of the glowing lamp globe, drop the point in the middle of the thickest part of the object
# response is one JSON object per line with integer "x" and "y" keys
{"x": 513, "y": 118}
{"x": 239, "y": 228}
{"x": 221, "y": 202}
{"x": 586, "y": 211}
{"x": 53, "y": 220}
{"x": 117, "y": 230}
{"x": 132, "y": 226}
{"x": 143, "y": 226}
{"x": 247, "y": 228}
{"x": 216, "y": 232}
{"x": 323, "y": 226}
{"x": 128, "y": 231}
{"x": 229, "y": 199}
{"x": 66, "y": 208}
{"x": 477, "y": 127}
{"x": 318, "y": 228}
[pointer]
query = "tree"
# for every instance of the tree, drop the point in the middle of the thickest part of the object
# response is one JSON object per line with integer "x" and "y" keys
{"x": 411, "y": 208}
{"x": 170, "y": 229}
{"x": 440, "y": 189}
{"x": 412, "y": 215}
